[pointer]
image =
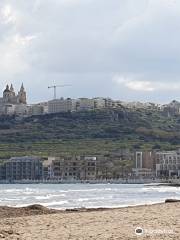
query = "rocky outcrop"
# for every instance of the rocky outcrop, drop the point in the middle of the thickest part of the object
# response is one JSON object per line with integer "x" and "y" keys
{"x": 172, "y": 200}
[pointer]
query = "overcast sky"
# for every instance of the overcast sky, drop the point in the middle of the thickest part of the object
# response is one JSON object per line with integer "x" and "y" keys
{"x": 123, "y": 49}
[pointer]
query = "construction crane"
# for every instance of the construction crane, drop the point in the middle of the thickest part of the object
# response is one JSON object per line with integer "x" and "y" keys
{"x": 55, "y": 88}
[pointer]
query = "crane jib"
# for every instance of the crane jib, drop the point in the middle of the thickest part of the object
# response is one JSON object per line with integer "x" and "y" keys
{"x": 56, "y": 86}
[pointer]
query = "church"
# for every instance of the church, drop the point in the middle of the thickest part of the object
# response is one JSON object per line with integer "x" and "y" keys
{"x": 12, "y": 103}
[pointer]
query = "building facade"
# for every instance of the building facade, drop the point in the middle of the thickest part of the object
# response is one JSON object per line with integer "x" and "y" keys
{"x": 99, "y": 103}
{"x": 84, "y": 104}
{"x": 168, "y": 164}
{"x": 23, "y": 168}
{"x": 60, "y": 105}
{"x": 144, "y": 164}
{"x": 70, "y": 168}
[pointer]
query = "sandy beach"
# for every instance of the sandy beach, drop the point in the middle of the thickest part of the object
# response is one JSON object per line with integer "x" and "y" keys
{"x": 160, "y": 221}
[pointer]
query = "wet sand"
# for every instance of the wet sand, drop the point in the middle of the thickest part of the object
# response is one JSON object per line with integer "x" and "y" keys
{"x": 159, "y": 221}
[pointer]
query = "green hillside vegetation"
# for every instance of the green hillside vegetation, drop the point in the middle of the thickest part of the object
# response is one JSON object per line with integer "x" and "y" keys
{"x": 90, "y": 132}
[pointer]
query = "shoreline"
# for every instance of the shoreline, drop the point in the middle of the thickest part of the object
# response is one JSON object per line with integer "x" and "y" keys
{"x": 110, "y": 181}
{"x": 139, "y": 182}
{"x": 37, "y": 209}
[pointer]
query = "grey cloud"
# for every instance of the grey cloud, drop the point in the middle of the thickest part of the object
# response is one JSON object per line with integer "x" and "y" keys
{"x": 87, "y": 43}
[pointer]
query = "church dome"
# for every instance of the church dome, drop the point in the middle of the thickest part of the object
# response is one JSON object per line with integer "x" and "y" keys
{"x": 7, "y": 89}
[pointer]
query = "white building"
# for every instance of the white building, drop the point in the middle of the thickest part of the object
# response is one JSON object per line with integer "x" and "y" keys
{"x": 36, "y": 109}
{"x": 84, "y": 104}
{"x": 8, "y": 109}
{"x": 109, "y": 103}
{"x": 168, "y": 163}
{"x": 99, "y": 103}
{"x": 60, "y": 105}
{"x": 118, "y": 104}
{"x": 45, "y": 107}
{"x": 140, "y": 105}
{"x": 21, "y": 109}
{"x": 47, "y": 169}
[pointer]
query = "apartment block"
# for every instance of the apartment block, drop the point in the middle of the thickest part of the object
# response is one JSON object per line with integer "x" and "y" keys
{"x": 99, "y": 103}
{"x": 36, "y": 109}
{"x": 168, "y": 163}
{"x": 47, "y": 169}
{"x": 60, "y": 105}
{"x": 84, "y": 104}
{"x": 109, "y": 103}
{"x": 69, "y": 168}
{"x": 23, "y": 168}
{"x": 2, "y": 171}
{"x": 144, "y": 164}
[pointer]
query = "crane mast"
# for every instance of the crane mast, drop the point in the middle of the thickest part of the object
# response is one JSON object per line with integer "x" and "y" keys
{"x": 55, "y": 88}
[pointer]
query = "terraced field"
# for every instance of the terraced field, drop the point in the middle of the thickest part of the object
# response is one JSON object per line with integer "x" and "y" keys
{"x": 93, "y": 132}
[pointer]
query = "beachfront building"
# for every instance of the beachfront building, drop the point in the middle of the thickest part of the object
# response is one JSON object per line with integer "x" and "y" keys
{"x": 89, "y": 167}
{"x": 144, "y": 164}
{"x": 168, "y": 163}
{"x": 2, "y": 171}
{"x": 47, "y": 169}
{"x": 70, "y": 168}
{"x": 59, "y": 170}
{"x": 23, "y": 168}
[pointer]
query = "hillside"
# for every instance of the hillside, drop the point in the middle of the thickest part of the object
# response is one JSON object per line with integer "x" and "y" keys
{"x": 88, "y": 132}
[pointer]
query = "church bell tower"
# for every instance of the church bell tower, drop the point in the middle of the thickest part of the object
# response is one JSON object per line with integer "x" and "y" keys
{"x": 22, "y": 95}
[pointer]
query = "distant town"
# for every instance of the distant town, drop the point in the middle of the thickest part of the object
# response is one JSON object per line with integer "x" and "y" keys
{"x": 123, "y": 165}
{"x": 16, "y": 104}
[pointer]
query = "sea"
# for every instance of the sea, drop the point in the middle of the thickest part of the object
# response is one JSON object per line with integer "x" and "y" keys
{"x": 70, "y": 196}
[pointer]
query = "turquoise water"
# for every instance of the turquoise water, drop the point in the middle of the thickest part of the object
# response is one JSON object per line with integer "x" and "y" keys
{"x": 66, "y": 196}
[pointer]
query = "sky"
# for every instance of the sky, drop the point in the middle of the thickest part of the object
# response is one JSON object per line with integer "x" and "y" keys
{"x": 122, "y": 49}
